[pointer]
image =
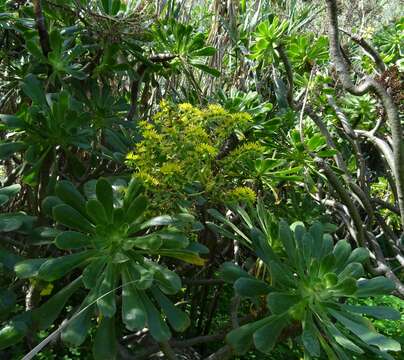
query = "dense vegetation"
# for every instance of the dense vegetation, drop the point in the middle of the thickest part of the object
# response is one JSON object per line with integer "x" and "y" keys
{"x": 201, "y": 179}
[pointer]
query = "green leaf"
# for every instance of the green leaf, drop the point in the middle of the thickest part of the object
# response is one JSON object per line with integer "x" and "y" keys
{"x": 28, "y": 268}
{"x": 354, "y": 270}
{"x": 69, "y": 217}
{"x": 327, "y": 264}
{"x": 147, "y": 242}
{"x": 105, "y": 195}
{"x": 286, "y": 236}
{"x": 168, "y": 281}
{"x": 49, "y": 311}
{"x": 379, "y": 285}
{"x": 378, "y": 312}
{"x": 118, "y": 217}
{"x": 12, "y": 122}
{"x": 133, "y": 311}
{"x": 217, "y": 215}
{"x": 316, "y": 231}
{"x": 143, "y": 277}
{"x": 10, "y": 222}
{"x": 159, "y": 221}
{"x": 12, "y": 333}
{"x": 207, "y": 69}
{"x": 3, "y": 199}
{"x": 32, "y": 87}
{"x": 315, "y": 142}
{"x": 136, "y": 208}
{"x": 360, "y": 255}
{"x": 106, "y": 6}
{"x": 177, "y": 318}
{"x": 158, "y": 328}
{"x": 78, "y": 328}
{"x": 343, "y": 340}
{"x": 345, "y": 287}
{"x": 173, "y": 239}
{"x": 49, "y": 203}
{"x": 91, "y": 272}
{"x": 230, "y": 272}
{"x": 105, "y": 343}
{"x": 262, "y": 247}
{"x": 205, "y": 51}
{"x": 327, "y": 246}
{"x": 68, "y": 193}
{"x": 10, "y": 190}
{"x": 309, "y": 338}
{"x": 281, "y": 275}
{"x": 241, "y": 339}
{"x": 8, "y": 149}
{"x": 72, "y": 240}
{"x": 56, "y": 268}
{"x": 8, "y": 259}
{"x": 361, "y": 328}
{"x": 279, "y": 303}
{"x": 342, "y": 251}
{"x": 249, "y": 287}
{"x": 184, "y": 255}
{"x": 134, "y": 189}
{"x": 265, "y": 337}
{"x": 116, "y": 5}
{"x": 106, "y": 293}
{"x": 96, "y": 212}
{"x": 7, "y": 301}
{"x": 327, "y": 153}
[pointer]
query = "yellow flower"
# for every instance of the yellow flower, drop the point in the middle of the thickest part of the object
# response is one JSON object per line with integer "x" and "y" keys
{"x": 170, "y": 168}
{"x": 247, "y": 149}
{"x": 131, "y": 156}
{"x": 146, "y": 125}
{"x": 152, "y": 134}
{"x": 185, "y": 107}
{"x": 241, "y": 194}
{"x": 206, "y": 149}
{"x": 214, "y": 109}
{"x": 147, "y": 179}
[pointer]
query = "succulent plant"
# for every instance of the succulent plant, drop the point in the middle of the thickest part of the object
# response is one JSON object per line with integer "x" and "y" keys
{"x": 116, "y": 250}
{"x": 312, "y": 287}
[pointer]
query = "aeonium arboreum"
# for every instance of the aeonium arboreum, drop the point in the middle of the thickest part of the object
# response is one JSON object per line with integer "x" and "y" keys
{"x": 117, "y": 250}
{"x": 310, "y": 288}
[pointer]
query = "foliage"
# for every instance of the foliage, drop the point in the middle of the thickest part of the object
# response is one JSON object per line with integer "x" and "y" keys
{"x": 308, "y": 288}
{"x": 180, "y": 150}
{"x": 226, "y": 117}
{"x": 112, "y": 245}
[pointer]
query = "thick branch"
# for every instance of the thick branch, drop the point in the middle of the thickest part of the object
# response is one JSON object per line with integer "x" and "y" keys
{"x": 369, "y": 84}
{"x": 136, "y": 83}
{"x": 289, "y": 73}
{"x": 346, "y": 199}
{"x": 368, "y": 48}
{"x": 41, "y": 26}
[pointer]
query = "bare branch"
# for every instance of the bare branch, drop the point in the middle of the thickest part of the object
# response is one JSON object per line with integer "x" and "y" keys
{"x": 369, "y": 84}
{"x": 40, "y": 23}
{"x": 369, "y": 49}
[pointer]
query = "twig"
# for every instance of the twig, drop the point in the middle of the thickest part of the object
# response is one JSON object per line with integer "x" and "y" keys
{"x": 368, "y": 48}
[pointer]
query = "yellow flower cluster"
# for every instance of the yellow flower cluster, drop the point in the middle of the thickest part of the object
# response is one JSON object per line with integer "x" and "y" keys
{"x": 178, "y": 148}
{"x": 241, "y": 194}
{"x": 206, "y": 149}
{"x": 170, "y": 168}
